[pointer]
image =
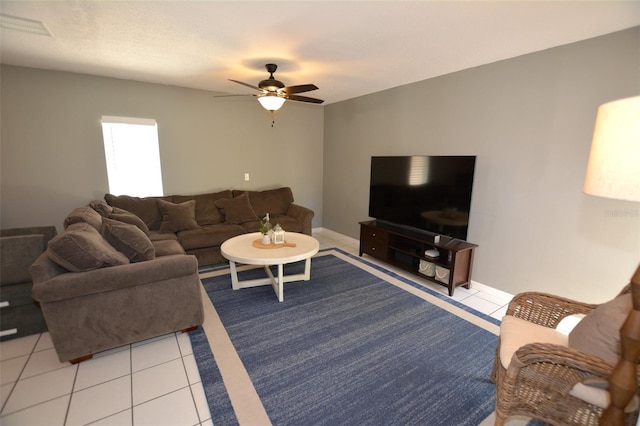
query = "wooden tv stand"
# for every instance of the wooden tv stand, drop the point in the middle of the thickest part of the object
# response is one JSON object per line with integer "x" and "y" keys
{"x": 404, "y": 249}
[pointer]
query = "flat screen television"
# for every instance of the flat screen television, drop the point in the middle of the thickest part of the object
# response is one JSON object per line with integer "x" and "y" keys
{"x": 423, "y": 193}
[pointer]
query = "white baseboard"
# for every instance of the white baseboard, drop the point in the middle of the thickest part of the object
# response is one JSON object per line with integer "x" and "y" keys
{"x": 492, "y": 291}
{"x": 334, "y": 234}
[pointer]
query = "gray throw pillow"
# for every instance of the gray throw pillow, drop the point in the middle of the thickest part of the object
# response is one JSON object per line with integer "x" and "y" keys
{"x": 129, "y": 240}
{"x": 84, "y": 214}
{"x": 598, "y": 332}
{"x": 122, "y": 215}
{"x": 178, "y": 217}
{"x": 81, "y": 248}
{"x": 237, "y": 210}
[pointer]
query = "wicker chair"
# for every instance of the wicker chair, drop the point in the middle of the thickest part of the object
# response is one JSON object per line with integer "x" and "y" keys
{"x": 540, "y": 376}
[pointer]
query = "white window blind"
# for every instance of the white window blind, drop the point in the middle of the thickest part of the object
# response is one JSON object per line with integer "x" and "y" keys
{"x": 132, "y": 154}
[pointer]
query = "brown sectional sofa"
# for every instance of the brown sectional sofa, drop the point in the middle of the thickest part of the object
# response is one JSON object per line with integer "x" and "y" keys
{"x": 126, "y": 269}
{"x": 218, "y": 217}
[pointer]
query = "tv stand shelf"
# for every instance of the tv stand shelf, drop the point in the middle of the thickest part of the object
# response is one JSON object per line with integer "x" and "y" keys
{"x": 405, "y": 250}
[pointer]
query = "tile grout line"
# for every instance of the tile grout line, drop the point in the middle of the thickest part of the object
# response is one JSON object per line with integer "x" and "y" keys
{"x": 70, "y": 393}
{"x": 131, "y": 381}
{"x": 184, "y": 368}
{"x": 15, "y": 383}
{"x": 73, "y": 385}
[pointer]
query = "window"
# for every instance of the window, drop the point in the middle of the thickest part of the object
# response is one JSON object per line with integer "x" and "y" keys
{"x": 132, "y": 153}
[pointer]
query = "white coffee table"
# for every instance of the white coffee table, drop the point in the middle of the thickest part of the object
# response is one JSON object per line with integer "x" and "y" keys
{"x": 240, "y": 249}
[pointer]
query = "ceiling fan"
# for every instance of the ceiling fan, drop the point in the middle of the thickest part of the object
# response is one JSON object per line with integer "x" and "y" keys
{"x": 273, "y": 93}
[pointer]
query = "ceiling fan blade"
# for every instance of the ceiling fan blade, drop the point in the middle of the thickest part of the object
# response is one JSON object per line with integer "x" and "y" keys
{"x": 247, "y": 84}
{"x": 304, "y": 99}
{"x": 227, "y": 96}
{"x": 299, "y": 89}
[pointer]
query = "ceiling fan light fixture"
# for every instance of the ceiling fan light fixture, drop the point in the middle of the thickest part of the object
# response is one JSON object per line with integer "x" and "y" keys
{"x": 271, "y": 101}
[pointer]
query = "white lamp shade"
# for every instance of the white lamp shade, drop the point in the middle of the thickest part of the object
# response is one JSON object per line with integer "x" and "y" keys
{"x": 613, "y": 169}
{"x": 271, "y": 102}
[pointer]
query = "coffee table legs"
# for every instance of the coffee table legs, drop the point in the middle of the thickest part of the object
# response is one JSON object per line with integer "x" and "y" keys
{"x": 276, "y": 282}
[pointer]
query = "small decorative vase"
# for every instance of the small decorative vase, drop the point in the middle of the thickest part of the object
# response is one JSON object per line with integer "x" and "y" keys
{"x": 266, "y": 240}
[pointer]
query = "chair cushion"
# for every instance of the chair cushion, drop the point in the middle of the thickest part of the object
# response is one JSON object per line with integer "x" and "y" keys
{"x": 597, "y": 394}
{"x": 178, "y": 217}
{"x": 82, "y": 248}
{"x": 128, "y": 239}
{"x": 599, "y": 332}
{"x": 237, "y": 210}
{"x": 516, "y": 332}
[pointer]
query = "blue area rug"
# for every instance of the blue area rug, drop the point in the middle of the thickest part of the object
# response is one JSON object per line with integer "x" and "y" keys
{"x": 348, "y": 347}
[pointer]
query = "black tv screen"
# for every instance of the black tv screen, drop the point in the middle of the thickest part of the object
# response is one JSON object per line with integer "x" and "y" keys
{"x": 427, "y": 193}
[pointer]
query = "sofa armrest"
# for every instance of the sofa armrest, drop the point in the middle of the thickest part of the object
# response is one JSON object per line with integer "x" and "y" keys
{"x": 76, "y": 284}
{"x": 302, "y": 215}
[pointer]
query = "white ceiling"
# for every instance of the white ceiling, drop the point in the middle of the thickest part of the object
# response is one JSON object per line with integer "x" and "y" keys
{"x": 347, "y": 48}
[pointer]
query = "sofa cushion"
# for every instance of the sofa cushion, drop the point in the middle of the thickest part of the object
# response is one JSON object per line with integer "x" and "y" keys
{"x": 209, "y": 236}
{"x": 599, "y": 331}
{"x": 128, "y": 239}
{"x": 121, "y": 215}
{"x": 81, "y": 248}
{"x": 287, "y": 223}
{"x": 84, "y": 215}
{"x": 178, "y": 217}
{"x": 167, "y": 248}
{"x": 206, "y": 211}
{"x": 101, "y": 207}
{"x": 145, "y": 208}
{"x": 272, "y": 201}
{"x": 237, "y": 210}
{"x": 160, "y": 236}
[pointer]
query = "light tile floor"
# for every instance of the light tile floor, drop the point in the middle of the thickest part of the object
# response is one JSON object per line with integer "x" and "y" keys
{"x": 154, "y": 382}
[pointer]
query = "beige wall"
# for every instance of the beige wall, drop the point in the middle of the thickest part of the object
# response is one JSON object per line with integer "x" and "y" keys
{"x": 529, "y": 120}
{"x": 52, "y": 155}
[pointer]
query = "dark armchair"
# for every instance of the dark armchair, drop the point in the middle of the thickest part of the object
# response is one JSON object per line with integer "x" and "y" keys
{"x": 19, "y": 248}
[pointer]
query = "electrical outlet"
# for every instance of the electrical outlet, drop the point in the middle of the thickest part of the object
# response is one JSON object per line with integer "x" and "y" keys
{"x": 246, "y": 177}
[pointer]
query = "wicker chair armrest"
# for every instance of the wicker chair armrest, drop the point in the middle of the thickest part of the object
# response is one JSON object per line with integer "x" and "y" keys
{"x": 545, "y": 309}
{"x": 584, "y": 363}
{"x": 556, "y": 367}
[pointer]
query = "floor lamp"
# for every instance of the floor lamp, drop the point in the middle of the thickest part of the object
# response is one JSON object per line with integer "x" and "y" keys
{"x": 613, "y": 171}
